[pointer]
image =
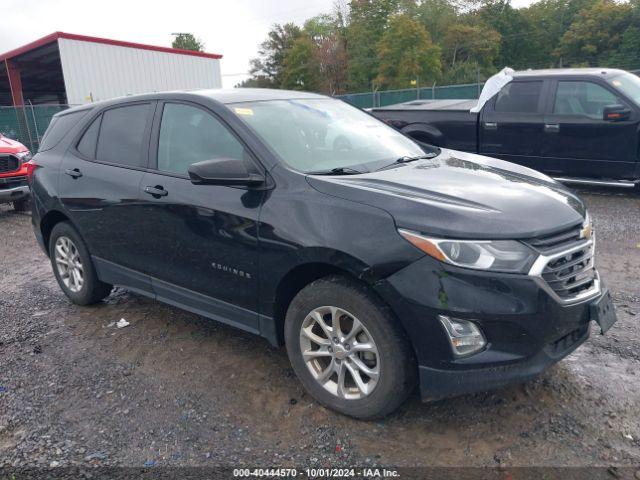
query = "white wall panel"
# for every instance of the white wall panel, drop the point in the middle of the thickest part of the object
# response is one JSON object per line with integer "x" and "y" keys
{"x": 102, "y": 71}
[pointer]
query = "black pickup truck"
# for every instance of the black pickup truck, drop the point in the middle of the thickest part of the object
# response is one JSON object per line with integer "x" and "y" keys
{"x": 577, "y": 125}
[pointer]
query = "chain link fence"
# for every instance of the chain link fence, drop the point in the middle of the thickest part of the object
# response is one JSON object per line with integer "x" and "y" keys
{"x": 389, "y": 97}
{"x": 28, "y": 123}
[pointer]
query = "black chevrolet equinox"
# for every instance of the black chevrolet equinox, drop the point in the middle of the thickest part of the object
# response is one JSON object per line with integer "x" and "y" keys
{"x": 380, "y": 263}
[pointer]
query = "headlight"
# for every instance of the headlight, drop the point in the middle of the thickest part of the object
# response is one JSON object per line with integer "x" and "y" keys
{"x": 496, "y": 255}
{"x": 24, "y": 156}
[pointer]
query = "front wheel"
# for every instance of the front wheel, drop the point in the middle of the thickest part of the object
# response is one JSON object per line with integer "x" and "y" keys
{"x": 73, "y": 267}
{"x": 348, "y": 350}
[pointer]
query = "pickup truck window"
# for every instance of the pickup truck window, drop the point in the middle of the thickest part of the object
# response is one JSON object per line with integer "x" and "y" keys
{"x": 519, "y": 97}
{"x": 582, "y": 98}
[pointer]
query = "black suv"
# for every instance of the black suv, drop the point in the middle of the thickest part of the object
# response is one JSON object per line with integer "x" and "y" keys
{"x": 379, "y": 262}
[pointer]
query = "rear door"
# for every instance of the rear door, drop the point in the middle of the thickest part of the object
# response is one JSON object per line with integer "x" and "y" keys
{"x": 511, "y": 124}
{"x": 578, "y": 142}
{"x": 99, "y": 183}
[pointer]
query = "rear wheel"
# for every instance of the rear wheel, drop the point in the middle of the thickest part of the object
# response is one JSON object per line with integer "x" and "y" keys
{"x": 73, "y": 267}
{"x": 348, "y": 350}
{"x": 21, "y": 205}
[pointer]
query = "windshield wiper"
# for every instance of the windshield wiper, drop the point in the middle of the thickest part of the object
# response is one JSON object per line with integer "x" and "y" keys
{"x": 407, "y": 159}
{"x": 337, "y": 171}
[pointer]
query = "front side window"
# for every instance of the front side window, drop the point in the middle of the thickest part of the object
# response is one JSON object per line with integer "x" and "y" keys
{"x": 122, "y": 135}
{"x": 189, "y": 135}
{"x": 311, "y": 135}
{"x": 519, "y": 97}
{"x": 583, "y": 99}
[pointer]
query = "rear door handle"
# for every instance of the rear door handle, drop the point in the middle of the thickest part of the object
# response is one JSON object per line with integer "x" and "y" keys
{"x": 490, "y": 125}
{"x": 156, "y": 191}
{"x": 73, "y": 173}
{"x": 551, "y": 127}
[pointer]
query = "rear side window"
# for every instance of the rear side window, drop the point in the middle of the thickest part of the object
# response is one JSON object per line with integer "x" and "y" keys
{"x": 58, "y": 128}
{"x": 122, "y": 134}
{"x": 519, "y": 97}
{"x": 87, "y": 144}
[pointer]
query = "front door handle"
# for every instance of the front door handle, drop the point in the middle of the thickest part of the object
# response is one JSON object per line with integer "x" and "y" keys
{"x": 156, "y": 191}
{"x": 73, "y": 173}
{"x": 551, "y": 127}
{"x": 491, "y": 125}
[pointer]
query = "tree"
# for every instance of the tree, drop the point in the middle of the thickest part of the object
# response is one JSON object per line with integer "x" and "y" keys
{"x": 406, "y": 53}
{"x": 470, "y": 43}
{"x": 270, "y": 61}
{"x": 596, "y": 33}
{"x": 300, "y": 70}
{"x": 628, "y": 54}
{"x": 328, "y": 34}
{"x": 437, "y": 16}
{"x": 549, "y": 20}
{"x": 518, "y": 35}
{"x": 187, "y": 41}
{"x": 367, "y": 22}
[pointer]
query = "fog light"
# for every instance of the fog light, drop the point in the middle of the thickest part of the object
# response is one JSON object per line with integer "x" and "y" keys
{"x": 465, "y": 336}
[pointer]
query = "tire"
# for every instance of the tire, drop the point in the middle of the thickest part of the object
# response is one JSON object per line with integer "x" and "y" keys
{"x": 89, "y": 289}
{"x": 390, "y": 361}
{"x": 21, "y": 205}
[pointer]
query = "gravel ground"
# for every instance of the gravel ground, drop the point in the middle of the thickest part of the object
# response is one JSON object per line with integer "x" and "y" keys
{"x": 173, "y": 389}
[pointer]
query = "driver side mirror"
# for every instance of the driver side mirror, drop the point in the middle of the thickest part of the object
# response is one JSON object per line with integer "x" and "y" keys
{"x": 223, "y": 171}
{"x": 615, "y": 113}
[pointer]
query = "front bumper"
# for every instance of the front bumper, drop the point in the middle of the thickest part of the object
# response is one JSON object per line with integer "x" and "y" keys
{"x": 13, "y": 190}
{"x": 526, "y": 328}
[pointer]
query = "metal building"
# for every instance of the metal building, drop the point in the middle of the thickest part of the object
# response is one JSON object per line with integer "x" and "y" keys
{"x": 68, "y": 69}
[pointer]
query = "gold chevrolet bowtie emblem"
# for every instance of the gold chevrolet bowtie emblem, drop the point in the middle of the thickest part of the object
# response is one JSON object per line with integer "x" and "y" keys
{"x": 586, "y": 232}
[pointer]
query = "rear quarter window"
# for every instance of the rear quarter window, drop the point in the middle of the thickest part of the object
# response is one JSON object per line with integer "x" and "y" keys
{"x": 60, "y": 125}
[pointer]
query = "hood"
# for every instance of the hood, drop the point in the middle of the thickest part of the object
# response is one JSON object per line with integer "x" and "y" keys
{"x": 10, "y": 146}
{"x": 462, "y": 195}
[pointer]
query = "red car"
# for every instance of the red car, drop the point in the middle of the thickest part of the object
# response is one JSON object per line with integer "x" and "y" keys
{"x": 13, "y": 173}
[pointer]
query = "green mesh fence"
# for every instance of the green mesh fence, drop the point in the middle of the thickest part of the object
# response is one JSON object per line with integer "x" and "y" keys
{"x": 27, "y": 124}
{"x": 390, "y": 97}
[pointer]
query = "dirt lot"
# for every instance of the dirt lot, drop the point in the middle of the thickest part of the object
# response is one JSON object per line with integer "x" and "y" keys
{"x": 176, "y": 389}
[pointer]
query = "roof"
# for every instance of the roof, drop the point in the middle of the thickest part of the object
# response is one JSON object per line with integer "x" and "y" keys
{"x": 221, "y": 95}
{"x": 84, "y": 38}
{"x": 555, "y": 72}
{"x": 236, "y": 95}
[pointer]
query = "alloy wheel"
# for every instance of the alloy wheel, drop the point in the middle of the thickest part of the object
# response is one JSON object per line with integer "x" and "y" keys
{"x": 340, "y": 352}
{"x": 68, "y": 263}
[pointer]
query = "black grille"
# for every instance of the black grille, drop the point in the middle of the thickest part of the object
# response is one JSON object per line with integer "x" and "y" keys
{"x": 571, "y": 274}
{"x": 9, "y": 163}
{"x": 556, "y": 241}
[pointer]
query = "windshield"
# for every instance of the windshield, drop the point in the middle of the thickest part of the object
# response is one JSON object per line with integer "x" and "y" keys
{"x": 628, "y": 84}
{"x": 313, "y": 135}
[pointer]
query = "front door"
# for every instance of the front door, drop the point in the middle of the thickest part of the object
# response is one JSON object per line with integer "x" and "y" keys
{"x": 202, "y": 240}
{"x": 511, "y": 124}
{"x": 579, "y": 141}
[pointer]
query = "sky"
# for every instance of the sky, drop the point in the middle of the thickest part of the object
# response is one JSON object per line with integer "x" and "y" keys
{"x": 233, "y": 28}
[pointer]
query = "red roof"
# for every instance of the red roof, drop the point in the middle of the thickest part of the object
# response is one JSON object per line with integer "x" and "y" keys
{"x": 84, "y": 38}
